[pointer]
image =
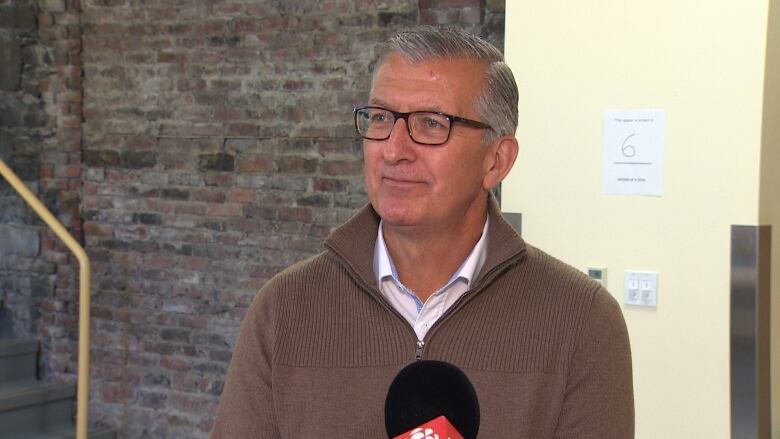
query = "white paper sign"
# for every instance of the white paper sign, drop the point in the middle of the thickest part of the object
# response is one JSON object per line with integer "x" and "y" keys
{"x": 633, "y": 151}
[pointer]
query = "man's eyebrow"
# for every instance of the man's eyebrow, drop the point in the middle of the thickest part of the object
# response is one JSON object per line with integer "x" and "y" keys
{"x": 381, "y": 103}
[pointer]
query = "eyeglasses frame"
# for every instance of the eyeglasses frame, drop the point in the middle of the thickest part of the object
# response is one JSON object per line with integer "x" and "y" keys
{"x": 405, "y": 116}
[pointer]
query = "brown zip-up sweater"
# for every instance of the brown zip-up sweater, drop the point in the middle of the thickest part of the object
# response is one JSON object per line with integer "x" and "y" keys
{"x": 545, "y": 347}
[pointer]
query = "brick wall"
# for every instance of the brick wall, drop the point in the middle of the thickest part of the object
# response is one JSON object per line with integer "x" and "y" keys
{"x": 216, "y": 148}
{"x": 40, "y": 117}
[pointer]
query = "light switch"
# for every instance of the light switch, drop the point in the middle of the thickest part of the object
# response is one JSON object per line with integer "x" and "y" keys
{"x": 641, "y": 288}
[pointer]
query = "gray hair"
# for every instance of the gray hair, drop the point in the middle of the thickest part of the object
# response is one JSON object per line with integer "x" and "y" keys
{"x": 496, "y": 103}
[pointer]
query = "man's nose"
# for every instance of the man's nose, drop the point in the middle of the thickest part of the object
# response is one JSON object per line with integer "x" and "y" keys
{"x": 399, "y": 146}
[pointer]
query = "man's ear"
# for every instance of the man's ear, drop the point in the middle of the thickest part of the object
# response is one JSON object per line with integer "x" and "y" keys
{"x": 499, "y": 159}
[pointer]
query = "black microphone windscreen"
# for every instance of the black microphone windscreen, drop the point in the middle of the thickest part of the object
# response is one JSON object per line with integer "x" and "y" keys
{"x": 427, "y": 389}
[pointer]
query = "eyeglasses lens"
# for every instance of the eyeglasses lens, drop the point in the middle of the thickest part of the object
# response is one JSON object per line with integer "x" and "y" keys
{"x": 426, "y": 128}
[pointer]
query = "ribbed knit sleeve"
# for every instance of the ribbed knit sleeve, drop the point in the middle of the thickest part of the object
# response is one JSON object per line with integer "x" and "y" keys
{"x": 246, "y": 409}
{"x": 598, "y": 399}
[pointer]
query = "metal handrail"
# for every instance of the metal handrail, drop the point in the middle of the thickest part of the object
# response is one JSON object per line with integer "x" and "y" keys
{"x": 82, "y": 393}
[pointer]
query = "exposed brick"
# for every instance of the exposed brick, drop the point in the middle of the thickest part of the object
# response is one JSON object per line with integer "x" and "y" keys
{"x": 264, "y": 212}
{"x": 314, "y": 200}
{"x": 471, "y": 15}
{"x": 495, "y": 5}
{"x": 20, "y": 240}
{"x": 219, "y": 179}
{"x": 10, "y": 68}
{"x": 330, "y": 185}
{"x": 184, "y": 179}
{"x": 43, "y": 286}
{"x": 433, "y": 4}
{"x": 67, "y": 171}
{"x": 101, "y": 158}
{"x": 230, "y": 210}
{"x": 147, "y": 218}
{"x": 206, "y": 152}
{"x": 175, "y": 194}
{"x": 242, "y": 145}
{"x": 139, "y": 142}
{"x": 242, "y": 195}
{"x": 193, "y": 263}
{"x": 342, "y": 167}
{"x": 255, "y": 164}
{"x": 175, "y": 335}
{"x": 53, "y": 5}
{"x": 152, "y": 400}
{"x": 97, "y": 229}
{"x": 93, "y": 174}
{"x": 216, "y": 162}
{"x": 406, "y": 18}
{"x": 26, "y": 167}
{"x": 213, "y": 195}
{"x": 297, "y": 164}
{"x": 17, "y": 17}
{"x": 138, "y": 159}
{"x": 302, "y": 214}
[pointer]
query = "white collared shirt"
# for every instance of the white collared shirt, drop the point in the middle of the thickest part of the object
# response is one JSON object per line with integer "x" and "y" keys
{"x": 423, "y": 315}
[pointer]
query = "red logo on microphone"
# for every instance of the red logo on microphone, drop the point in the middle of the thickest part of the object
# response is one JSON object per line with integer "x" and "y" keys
{"x": 437, "y": 428}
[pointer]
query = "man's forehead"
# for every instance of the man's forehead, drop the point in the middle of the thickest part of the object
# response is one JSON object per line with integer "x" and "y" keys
{"x": 432, "y": 67}
{"x": 428, "y": 84}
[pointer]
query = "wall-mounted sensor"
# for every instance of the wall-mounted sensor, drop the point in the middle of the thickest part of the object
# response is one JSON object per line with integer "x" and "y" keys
{"x": 599, "y": 274}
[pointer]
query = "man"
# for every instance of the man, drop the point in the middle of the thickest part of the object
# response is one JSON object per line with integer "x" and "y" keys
{"x": 431, "y": 270}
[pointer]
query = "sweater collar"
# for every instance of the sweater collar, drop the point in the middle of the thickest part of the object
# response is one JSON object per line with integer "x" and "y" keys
{"x": 354, "y": 242}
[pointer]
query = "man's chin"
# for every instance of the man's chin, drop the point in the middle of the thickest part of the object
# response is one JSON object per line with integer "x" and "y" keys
{"x": 398, "y": 216}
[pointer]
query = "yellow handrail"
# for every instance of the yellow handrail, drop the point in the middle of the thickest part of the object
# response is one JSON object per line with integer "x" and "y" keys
{"x": 82, "y": 394}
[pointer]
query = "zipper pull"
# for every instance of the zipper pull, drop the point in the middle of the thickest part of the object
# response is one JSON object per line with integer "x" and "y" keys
{"x": 419, "y": 351}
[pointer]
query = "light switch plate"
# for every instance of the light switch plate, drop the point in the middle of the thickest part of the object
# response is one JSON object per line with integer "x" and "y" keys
{"x": 641, "y": 288}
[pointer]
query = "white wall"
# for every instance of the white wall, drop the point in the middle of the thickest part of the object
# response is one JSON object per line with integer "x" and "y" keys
{"x": 701, "y": 62}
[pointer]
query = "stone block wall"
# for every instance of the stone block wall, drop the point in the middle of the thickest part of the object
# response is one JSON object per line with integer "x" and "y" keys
{"x": 40, "y": 139}
{"x": 214, "y": 147}
{"x": 23, "y": 124}
{"x": 39, "y": 118}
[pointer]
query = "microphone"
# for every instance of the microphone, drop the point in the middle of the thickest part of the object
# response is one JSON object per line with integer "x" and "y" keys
{"x": 422, "y": 392}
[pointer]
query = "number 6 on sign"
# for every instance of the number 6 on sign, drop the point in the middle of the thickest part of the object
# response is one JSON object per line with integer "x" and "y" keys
{"x": 628, "y": 150}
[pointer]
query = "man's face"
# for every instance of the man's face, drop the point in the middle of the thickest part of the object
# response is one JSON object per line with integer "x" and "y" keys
{"x": 410, "y": 184}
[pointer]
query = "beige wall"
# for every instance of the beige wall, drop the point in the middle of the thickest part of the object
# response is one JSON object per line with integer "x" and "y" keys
{"x": 769, "y": 210}
{"x": 703, "y": 64}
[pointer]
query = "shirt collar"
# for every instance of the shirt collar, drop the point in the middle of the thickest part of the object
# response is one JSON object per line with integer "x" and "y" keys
{"x": 468, "y": 270}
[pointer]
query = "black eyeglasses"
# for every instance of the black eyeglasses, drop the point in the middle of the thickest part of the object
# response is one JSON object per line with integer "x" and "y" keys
{"x": 425, "y": 127}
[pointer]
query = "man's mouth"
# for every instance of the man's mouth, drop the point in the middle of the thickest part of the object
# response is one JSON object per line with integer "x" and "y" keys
{"x": 401, "y": 181}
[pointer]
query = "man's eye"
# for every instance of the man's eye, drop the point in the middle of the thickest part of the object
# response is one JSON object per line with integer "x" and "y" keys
{"x": 431, "y": 123}
{"x": 378, "y": 117}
